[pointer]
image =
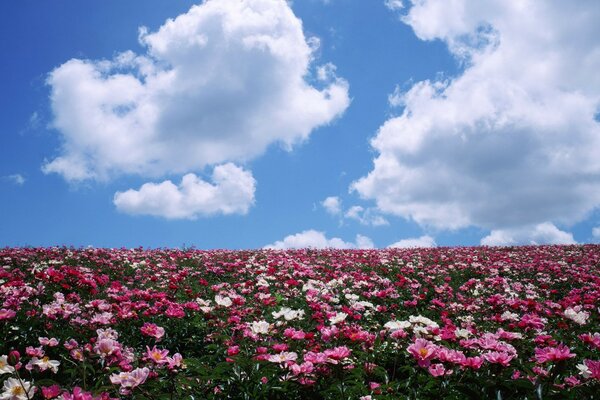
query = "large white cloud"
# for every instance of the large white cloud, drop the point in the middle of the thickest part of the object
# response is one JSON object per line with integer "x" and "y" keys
{"x": 510, "y": 142}
{"x": 545, "y": 233}
{"x": 219, "y": 83}
{"x": 232, "y": 192}
{"x": 316, "y": 239}
{"x": 422, "y": 241}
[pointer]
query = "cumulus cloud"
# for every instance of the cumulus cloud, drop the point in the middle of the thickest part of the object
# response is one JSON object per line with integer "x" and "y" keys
{"x": 423, "y": 241}
{"x": 219, "y": 83}
{"x": 316, "y": 239}
{"x": 332, "y": 205}
{"x": 512, "y": 140}
{"x": 545, "y": 233}
{"x": 231, "y": 192}
{"x": 596, "y": 233}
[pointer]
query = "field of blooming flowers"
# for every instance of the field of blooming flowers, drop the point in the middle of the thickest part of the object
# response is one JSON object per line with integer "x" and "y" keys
{"x": 446, "y": 323}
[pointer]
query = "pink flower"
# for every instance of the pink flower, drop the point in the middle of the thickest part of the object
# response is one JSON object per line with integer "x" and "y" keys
{"x": 337, "y": 353}
{"x": 78, "y": 394}
{"x": 472, "y": 362}
{"x": 6, "y": 314}
{"x": 175, "y": 362}
{"x": 423, "y": 350}
{"x": 553, "y": 354}
{"x": 315, "y": 358}
{"x": 436, "y": 370}
{"x": 44, "y": 341}
{"x": 157, "y": 356}
{"x": 305, "y": 368}
{"x": 129, "y": 380}
{"x": 233, "y": 350}
{"x": 153, "y": 330}
{"x": 496, "y": 357}
{"x": 106, "y": 347}
{"x": 50, "y": 392}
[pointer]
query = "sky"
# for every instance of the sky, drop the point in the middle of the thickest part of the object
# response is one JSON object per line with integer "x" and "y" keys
{"x": 243, "y": 124}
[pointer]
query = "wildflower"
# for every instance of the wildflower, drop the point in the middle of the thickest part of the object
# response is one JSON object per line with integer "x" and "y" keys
{"x": 5, "y": 367}
{"x": 396, "y": 325}
{"x": 337, "y": 353}
{"x": 496, "y": 357}
{"x": 260, "y": 327}
{"x": 130, "y": 380}
{"x": 7, "y": 314}
{"x": 157, "y": 356}
{"x": 553, "y": 354}
{"x": 44, "y": 341}
{"x": 106, "y": 347}
{"x": 175, "y": 362}
{"x": 283, "y": 357}
{"x": 423, "y": 350}
{"x": 223, "y": 301}
{"x": 436, "y": 370}
{"x": 50, "y": 392}
{"x": 574, "y": 314}
{"x": 17, "y": 390}
{"x": 153, "y": 330}
{"x": 337, "y": 318}
{"x": 45, "y": 363}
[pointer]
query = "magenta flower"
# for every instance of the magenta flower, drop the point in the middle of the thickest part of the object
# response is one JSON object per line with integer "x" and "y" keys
{"x": 553, "y": 354}
{"x": 152, "y": 330}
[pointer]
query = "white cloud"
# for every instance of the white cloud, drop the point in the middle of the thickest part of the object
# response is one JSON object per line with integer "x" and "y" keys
{"x": 366, "y": 216}
{"x": 17, "y": 179}
{"x": 596, "y": 232}
{"x": 332, "y": 205}
{"x": 219, "y": 83}
{"x": 232, "y": 192}
{"x": 423, "y": 241}
{"x": 394, "y": 5}
{"x": 316, "y": 239}
{"x": 545, "y": 233}
{"x": 510, "y": 142}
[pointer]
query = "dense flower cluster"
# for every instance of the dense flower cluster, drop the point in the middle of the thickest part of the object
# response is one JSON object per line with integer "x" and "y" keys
{"x": 455, "y": 323}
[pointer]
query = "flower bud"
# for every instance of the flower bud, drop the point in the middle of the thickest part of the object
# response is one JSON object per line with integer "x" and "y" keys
{"x": 13, "y": 358}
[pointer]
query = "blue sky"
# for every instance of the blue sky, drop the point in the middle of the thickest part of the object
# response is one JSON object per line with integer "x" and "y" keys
{"x": 340, "y": 123}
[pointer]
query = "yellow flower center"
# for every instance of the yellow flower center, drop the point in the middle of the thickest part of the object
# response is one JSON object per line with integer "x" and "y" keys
{"x": 17, "y": 390}
{"x": 423, "y": 352}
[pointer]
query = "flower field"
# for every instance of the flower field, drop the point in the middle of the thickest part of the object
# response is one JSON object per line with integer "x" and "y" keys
{"x": 444, "y": 323}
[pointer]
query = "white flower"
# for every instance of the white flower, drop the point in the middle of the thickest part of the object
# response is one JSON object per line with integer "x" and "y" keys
{"x": 462, "y": 333}
{"x": 288, "y": 314}
{"x": 580, "y": 317}
{"x": 337, "y": 318}
{"x": 584, "y": 370}
{"x": 14, "y": 390}
{"x": 507, "y": 315}
{"x": 260, "y": 327}
{"x": 396, "y": 325}
{"x": 419, "y": 319}
{"x": 46, "y": 363}
{"x": 283, "y": 357}
{"x": 223, "y": 301}
{"x": 262, "y": 282}
{"x": 4, "y": 367}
